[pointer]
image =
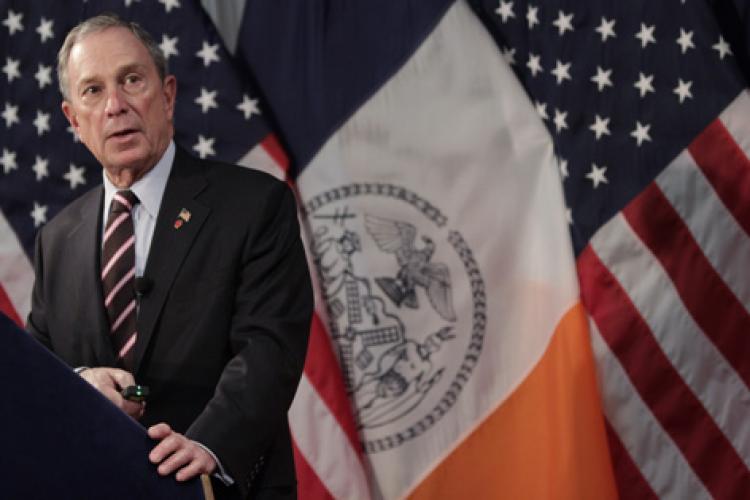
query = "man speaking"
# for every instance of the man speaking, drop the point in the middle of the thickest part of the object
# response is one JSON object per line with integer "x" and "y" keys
{"x": 182, "y": 275}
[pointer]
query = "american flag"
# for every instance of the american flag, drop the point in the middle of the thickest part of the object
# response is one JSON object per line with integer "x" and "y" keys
{"x": 647, "y": 107}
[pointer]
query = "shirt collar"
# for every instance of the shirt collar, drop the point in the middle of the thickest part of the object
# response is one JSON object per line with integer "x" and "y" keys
{"x": 150, "y": 188}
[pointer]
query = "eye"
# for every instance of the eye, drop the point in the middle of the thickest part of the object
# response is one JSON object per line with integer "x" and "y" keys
{"x": 133, "y": 79}
{"x": 91, "y": 90}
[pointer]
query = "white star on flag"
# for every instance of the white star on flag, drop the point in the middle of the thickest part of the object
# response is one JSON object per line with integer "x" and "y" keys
{"x": 541, "y": 109}
{"x": 564, "y": 22}
{"x": 41, "y": 122}
{"x": 600, "y": 127}
{"x": 561, "y": 72}
{"x": 10, "y": 115}
{"x": 602, "y": 78}
{"x": 597, "y": 175}
{"x": 204, "y": 147}
{"x": 207, "y": 100}
{"x": 209, "y": 53}
{"x": 45, "y": 30}
{"x": 646, "y": 35}
{"x": 644, "y": 84}
{"x": 722, "y": 47}
{"x": 73, "y": 133}
{"x": 39, "y": 214}
{"x": 531, "y": 16}
{"x": 563, "y": 164}
{"x": 170, "y": 4}
{"x": 641, "y": 132}
{"x": 40, "y": 168}
{"x": 8, "y": 161}
{"x": 43, "y": 75}
{"x": 534, "y": 65}
{"x": 606, "y": 29}
{"x": 685, "y": 41}
{"x": 560, "y": 120}
{"x": 11, "y": 69}
{"x": 505, "y": 10}
{"x": 249, "y": 107}
{"x": 75, "y": 176}
{"x": 683, "y": 90}
{"x": 13, "y": 22}
{"x": 509, "y": 54}
{"x": 168, "y": 46}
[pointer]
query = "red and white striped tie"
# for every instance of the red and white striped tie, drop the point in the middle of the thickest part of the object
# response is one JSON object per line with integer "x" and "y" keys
{"x": 118, "y": 276}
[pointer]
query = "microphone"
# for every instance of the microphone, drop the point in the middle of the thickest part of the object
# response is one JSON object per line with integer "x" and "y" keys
{"x": 143, "y": 285}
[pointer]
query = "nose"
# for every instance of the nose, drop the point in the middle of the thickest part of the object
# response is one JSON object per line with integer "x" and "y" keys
{"x": 116, "y": 103}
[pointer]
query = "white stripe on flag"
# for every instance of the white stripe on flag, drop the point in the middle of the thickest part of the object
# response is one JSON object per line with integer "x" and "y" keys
{"x": 653, "y": 451}
{"x": 735, "y": 120}
{"x": 313, "y": 423}
{"x": 724, "y": 243}
{"x": 703, "y": 368}
{"x": 259, "y": 159}
{"x": 16, "y": 272}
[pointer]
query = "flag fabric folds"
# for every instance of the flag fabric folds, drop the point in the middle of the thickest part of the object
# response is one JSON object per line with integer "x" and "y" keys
{"x": 445, "y": 272}
{"x": 648, "y": 109}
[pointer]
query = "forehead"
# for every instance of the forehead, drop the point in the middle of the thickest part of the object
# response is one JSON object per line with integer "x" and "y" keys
{"x": 105, "y": 51}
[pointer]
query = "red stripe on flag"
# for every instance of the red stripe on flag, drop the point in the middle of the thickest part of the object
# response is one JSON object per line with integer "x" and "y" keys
{"x": 711, "y": 303}
{"x": 309, "y": 485}
{"x": 630, "y": 481}
{"x": 727, "y": 169}
{"x": 323, "y": 372}
{"x": 672, "y": 402}
{"x": 275, "y": 151}
{"x": 6, "y": 306}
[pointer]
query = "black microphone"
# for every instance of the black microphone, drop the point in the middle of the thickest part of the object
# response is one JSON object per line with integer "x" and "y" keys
{"x": 143, "y": 285}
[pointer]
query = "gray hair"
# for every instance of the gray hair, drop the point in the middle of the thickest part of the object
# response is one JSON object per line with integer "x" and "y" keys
{"x": 100, "y": 23}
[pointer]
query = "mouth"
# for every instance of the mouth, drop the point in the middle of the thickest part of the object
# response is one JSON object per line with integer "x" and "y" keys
{"x": 123, "y": 134}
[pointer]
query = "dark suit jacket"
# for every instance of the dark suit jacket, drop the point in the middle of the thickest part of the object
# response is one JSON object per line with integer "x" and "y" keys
{"x": 222, "y": 333}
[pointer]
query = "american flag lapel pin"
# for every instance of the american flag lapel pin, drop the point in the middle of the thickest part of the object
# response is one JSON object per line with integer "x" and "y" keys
{"x": 182, "y": 218}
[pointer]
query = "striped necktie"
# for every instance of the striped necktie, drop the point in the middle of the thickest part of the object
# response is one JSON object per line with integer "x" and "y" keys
{"x": 118, "y": 276}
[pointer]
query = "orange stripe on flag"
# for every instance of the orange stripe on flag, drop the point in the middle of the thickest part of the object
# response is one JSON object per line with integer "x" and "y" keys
{"x": 547, "y": 440}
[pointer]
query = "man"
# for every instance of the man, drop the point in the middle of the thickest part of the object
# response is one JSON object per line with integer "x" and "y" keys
{"x": 182, "y": 275}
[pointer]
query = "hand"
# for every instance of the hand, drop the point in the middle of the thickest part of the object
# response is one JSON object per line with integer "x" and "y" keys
{"x": 110, "y": 381}
{"x": 175, "y": 451}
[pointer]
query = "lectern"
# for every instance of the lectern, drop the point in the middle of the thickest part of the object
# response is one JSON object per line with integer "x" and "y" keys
{"x": 61, "y": 439}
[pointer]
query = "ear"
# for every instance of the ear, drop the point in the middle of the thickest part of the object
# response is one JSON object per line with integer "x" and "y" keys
{"x": 70, "y": 114}
{"x": 169, "y": 89}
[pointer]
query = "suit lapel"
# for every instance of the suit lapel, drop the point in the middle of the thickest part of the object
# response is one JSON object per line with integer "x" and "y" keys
{"x": 85, "y": 238}
{"x": 171, "y": 242}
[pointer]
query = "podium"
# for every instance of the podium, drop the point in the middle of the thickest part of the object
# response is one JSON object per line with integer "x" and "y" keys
{"x": 61, "y": 439}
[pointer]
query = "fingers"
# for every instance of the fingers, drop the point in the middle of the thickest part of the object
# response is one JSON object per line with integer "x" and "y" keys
{"x": 159, "y": 431}
{"x": 175, "y": 452}
{"x": 109, "y": 381}
{"x": 121, "y": 377}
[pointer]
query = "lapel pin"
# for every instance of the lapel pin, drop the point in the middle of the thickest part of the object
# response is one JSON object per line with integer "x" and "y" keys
{"x": 182, "y": 218}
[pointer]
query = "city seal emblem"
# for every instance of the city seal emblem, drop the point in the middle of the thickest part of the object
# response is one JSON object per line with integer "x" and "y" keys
{"x": 404, "y": 303}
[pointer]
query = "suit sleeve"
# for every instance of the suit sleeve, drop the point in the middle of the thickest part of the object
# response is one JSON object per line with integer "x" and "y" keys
{"x": 269, "y": 332}
{"x": 36, "y": 323}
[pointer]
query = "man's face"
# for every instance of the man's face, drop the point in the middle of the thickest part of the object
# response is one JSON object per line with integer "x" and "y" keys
{"x": 118, "y": 105}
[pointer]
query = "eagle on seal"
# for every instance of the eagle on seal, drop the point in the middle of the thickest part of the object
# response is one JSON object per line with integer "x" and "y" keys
{"x": 415, "y": 268}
